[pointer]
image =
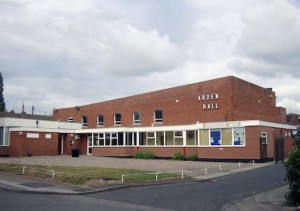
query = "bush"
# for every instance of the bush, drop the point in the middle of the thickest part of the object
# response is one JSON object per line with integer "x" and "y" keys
{"x": 178, "y": 156}
{"x": 293, "y": 176}
{"x": 192, "y": 158}
{"x": 144, "y": 155}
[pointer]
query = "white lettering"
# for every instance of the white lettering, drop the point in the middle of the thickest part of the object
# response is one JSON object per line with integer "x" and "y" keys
{"x": 204, "y": 106}
{"x": 203, "y": 97}
{"x": 212, "y": 96}
{"x": 217, "y": 105}
{"x": 217, "y": 96}
{"x": 207, "y": 97}
{"x": 208, "y": 106}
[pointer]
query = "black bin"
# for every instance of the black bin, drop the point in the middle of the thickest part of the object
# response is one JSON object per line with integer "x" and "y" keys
{"x": 75, "y": 152}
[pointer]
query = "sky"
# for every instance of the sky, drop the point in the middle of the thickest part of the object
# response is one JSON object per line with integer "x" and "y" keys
{"x": 65, "y": 53}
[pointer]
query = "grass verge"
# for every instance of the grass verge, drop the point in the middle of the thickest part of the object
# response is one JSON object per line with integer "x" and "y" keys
{"x": 82, "y": 175}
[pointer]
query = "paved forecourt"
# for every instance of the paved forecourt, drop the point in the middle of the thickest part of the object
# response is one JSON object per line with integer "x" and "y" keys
{"x": 129, "y": 163}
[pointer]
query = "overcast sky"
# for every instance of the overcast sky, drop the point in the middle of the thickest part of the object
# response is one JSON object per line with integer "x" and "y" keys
{"x": 64, "y": 53}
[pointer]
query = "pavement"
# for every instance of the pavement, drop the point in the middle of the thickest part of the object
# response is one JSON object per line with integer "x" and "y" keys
{"x": 269, "y": 199}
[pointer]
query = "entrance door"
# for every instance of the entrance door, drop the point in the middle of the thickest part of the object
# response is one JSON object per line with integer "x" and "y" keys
{"x": 263, "y": 150}
{"x": 279, "y": 149}
{"x": 60, "y": 148}
{"x": 89, "y": 145}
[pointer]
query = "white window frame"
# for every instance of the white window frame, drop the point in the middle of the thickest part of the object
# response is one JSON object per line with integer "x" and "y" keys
{"x": 119, "y": 122}
{"x": 264, "y": 135}
{"x": 136, "y": 121}
{"x": 158, "y": 120}
{"x": 84, "y": 124}
{"x": 100, "y": 123}
{"x": 70, "y": 119}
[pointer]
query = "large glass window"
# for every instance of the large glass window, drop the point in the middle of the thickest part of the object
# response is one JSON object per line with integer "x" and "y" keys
{"x": 178, "y": 137}
{"x": 151, "y": 138}
{"x": 158, "y": 116}
{"x": 239, "y": 136}
{"x": 136, "y": 118}
{"x": 191, "y": 137}
{"x": 160, "y": 138}
{"x": 84, "y": 121}
{"x": 215, "y": 137}
{"x": 204, "y": 137}
{"x": 118, "y": 119}
{"x": 227, "y": 136}
{"x": 100, "y": 120}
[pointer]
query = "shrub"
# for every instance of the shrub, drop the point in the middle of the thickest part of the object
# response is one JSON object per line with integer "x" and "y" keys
{"x": 293, "y": 174}
{"x": 178, "y": 156}
{"x": 144, "y": 155}
{"x": 192, "y": 158}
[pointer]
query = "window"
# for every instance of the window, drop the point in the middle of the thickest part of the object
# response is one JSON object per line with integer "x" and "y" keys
{"x": 84, "y": 121}
{"x": 158, "y": 116}
{"x": 215, "y": 137}
{"x": 118, "y": 119}
{"x": 70, "y": 119}
{"x": 263, "y": 138}
{"x": 100, "y": 120}
{"x": 150, "y": 138}
{"x": 178, "y": 137}
{"x": 136, "y": 118}
{"x": 239, "y": 136}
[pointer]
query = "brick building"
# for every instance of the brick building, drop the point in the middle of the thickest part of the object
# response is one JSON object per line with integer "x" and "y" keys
{"x": 221, "y": 119}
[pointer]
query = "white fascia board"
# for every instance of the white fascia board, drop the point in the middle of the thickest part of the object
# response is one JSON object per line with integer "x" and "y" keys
{"x": 31, "y": 123}
{"x": 36, "y": 129}
{"x": 196, "y": 126}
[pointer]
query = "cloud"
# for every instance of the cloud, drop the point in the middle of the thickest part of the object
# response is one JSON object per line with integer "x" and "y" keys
{"x": 269, "y": 43}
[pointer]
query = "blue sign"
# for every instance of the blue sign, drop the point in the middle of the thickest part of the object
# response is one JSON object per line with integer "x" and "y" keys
{"x": 294, "y": 132}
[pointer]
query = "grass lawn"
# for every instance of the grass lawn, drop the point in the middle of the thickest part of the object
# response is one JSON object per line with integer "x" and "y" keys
{"x": 82, "y": 175}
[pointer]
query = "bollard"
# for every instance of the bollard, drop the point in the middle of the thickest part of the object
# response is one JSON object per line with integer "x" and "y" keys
{"x": 220, "y": 167}
{"x": 181, "y": 174}
{"x": 24, "y": 167}
{"x": 239, "y": 165}
{"x": 205, "y": 170}
{"x": 52, "y": 173}
{"x": 122, "y": 178}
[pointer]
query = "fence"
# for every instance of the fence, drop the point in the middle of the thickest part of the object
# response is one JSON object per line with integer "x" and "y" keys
{"x": 205, "y": 171}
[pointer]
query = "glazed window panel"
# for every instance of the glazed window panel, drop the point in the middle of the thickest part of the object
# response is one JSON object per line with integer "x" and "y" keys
{"x": 239, "y": 136}
{"x": 160, "y": 138}
{"x": 117, "y": 119}
{"x": 215, "y": 137}
{"x": 158, "y": 116}
{"x": 151, "y": 138}
{"x": 101, "y": 139}
{"x": 96, "y": 139}
{"x": 107, "y": 139}
{"x": 191, "y": 137}
{"x": 114, "y": 139}
{"x": 227, "y": 136}
{"x": 70, "y": 119}
{"x": 178, "y": 138}
{"x": 263, "y": 138}
{"x": 136, "y": 118}
{"x": 84, "y": 121}
{"x": 100, "y": 120}
{"x": 169, "y": 138}
{"x": 204, "y": 137}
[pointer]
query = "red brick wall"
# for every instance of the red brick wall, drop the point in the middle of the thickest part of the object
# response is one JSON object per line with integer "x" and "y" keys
{"x": 238, "y": 100}
{"x": 4, "y": 150}
{"x": 113, "y": 151}
{"x": 20, "y": 145}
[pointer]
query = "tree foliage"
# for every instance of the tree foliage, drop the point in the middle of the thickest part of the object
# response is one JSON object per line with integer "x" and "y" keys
{"x": 293, "y": 174}
{"x": 2, "y": 103}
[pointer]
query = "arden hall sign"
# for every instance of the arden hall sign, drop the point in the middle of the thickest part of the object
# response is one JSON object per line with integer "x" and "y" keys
{"x": 207, "y": 101}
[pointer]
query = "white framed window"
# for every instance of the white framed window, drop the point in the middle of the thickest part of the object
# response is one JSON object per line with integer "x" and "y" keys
{"x": 158, "y": 116}
{"x": 70, "y": 119}
{"x": 264, "y": 138}
{"x": 100, "y": 120}
{"x": 136, "y": 117}
{"x": 178, "y": 138}
{"x": 117, "y": 119}
{"x": 84, "y": 121}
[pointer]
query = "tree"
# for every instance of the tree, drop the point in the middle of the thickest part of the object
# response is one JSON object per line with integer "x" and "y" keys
{"x": 2, "y": 103}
